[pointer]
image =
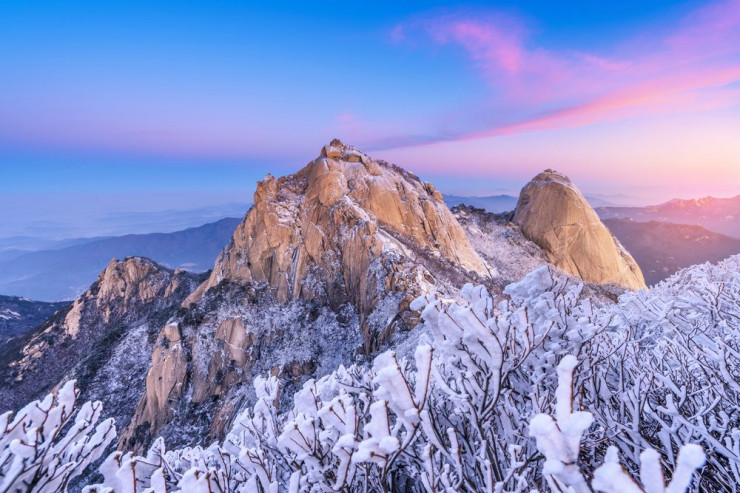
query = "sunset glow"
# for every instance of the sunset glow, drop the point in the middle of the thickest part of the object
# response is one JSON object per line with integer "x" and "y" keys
{"x": 636, "y": 97}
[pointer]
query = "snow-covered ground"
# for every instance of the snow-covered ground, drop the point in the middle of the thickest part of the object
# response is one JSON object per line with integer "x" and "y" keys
{"x": 8, "y": 314}
{"x": 500, "y": 243}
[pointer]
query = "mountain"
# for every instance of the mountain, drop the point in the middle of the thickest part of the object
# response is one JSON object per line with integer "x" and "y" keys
{"x": 103, "y": 339}
{"x": 661, "y": 249}
{"x": 64, "y": 273}
{"x": 717, "y": 215}
{"x": 554, "y": 214}
{"x": 323, "y": 271}
{"x": 119, "y": 223}
{"x": 19, "y": 315}
{"x": 355, "y": 331}
{"x": 334, "y": 255}
{"x": 493, "y": 203}
{"x": 24, "y": 244}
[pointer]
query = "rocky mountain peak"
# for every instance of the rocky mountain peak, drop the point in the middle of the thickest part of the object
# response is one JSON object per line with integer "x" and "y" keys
{"x": 129, "y": 293}
{"x": 123, "y": 286}
{"x": 333, "y": 254}
{"x": 339, "y": 229}
{"x": 554, "y": 214}
{"x": 136, "y": 277}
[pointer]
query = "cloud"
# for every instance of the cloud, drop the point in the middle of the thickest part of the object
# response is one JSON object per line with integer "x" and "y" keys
{"x": 662, "y": 95}
{"x": 688, "y": 66}
{"x": 495, "y": 46}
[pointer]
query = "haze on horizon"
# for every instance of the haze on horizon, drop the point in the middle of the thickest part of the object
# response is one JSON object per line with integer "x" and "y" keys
{"x": 142, "y": 106}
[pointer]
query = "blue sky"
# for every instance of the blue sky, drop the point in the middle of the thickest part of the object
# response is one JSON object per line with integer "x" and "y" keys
{"x": 182, "y": 104}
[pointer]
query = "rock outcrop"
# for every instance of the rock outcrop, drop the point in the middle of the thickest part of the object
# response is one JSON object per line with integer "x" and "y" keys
{"x": 103, "y": 339}
{"x": 553, "y": 213}
{"x": 339, "y": 230}
{"x": 323, "y": 267}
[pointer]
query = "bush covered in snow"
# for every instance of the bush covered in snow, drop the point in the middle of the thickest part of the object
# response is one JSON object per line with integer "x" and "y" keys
{"x": 667, "y": 372}
{"x": 41, "y": 448}
{"x": 545, "y": 389}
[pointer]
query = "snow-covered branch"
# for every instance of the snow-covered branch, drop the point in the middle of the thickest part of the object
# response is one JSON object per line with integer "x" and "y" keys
{"x": 42, "y": 447}
{"x": 488, "y": 400}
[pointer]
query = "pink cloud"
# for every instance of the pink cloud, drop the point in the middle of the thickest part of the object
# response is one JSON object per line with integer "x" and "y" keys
{"x": 671, "y": 94}
{"x": 494, "y": 48}
{"x": 688, "y": 66}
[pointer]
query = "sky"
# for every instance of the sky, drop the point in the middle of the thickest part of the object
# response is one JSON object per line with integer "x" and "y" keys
{"x": 143, "y": 106}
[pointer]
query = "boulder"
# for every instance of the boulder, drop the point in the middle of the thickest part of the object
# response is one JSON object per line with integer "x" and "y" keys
{"x": 554, "y": 214}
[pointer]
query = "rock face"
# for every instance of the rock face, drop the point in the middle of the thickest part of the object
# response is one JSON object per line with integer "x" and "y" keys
{"x": 339, "y": 230}
{"x": 103, "y": 339}
{"x": 553, "y": 213}
{"x": 323, "y": 267}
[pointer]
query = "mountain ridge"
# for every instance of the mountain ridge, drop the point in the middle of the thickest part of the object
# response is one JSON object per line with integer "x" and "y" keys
{"x": 129, "y": 299}
{"x": 720, "y": 215}
{"x": 354, "y": 238}
{"x": 321, "y": 272}
{"x": 662, "y": 249}
{"x": 19, "y": 315}
{"x": 65, "y": 273}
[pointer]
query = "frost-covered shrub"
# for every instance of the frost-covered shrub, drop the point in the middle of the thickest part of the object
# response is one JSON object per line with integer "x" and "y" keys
{"x": 42, "y": 448}
{"x": 669, "y": 372}
{"x": 456, "y": 419}
{"x": 559, "y": 440}
{"x": 493, "y": 369}
{"x": 489, "y": 399}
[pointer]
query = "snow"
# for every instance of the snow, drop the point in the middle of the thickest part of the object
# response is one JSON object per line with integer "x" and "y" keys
{"x": 501, "y": 244}
{"x": 41, "y": 446}
{"x": 547, "y": 387}
{"x": 8, "y": 314}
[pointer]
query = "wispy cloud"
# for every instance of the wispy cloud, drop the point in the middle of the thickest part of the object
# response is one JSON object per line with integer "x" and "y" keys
{"x": 496, "y": 46}
{"x": 662, "y": 95}
{"x": 688, "y": 66}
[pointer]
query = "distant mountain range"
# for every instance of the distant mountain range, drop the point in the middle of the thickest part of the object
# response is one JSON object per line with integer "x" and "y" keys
{"x": 18, "y": 245}
{"x": 662, "y": 249}
{"x": 493, "y": 203}
{"x": 50, "y": 270}
{"x": 18, "y": 232}
{"x": 504, "y": 203}
{"x": 718, "y": 215}
{"x": 63, "y": 273}
{"x": 19, "y": 315}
